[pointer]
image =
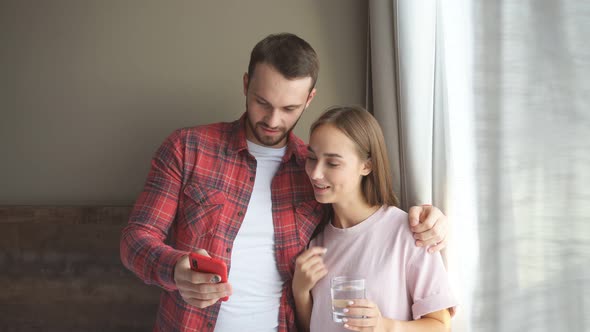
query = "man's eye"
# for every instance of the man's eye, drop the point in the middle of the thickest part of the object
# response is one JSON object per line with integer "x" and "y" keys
{"x": 333, "y": 165}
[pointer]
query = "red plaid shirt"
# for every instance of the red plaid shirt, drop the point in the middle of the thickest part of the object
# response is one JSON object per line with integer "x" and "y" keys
{"x": 195, "y": 197}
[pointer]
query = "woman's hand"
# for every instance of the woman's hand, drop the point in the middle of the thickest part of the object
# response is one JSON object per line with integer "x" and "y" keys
{"x": 309, "y": 268}
{"x": 364, "y": 315}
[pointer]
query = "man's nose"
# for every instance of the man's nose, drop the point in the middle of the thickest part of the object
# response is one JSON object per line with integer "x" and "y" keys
{"x": 273, "y": 119}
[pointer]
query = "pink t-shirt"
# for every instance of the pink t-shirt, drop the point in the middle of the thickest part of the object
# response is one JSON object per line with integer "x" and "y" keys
{"x": 405, "y": 281}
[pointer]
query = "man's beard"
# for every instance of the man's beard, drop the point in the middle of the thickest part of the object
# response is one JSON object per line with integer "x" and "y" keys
{"x": 267, "y": 140}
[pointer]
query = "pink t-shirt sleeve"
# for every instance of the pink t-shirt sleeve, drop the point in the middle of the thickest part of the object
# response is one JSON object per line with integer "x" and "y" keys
{"x": 428, "y": 284}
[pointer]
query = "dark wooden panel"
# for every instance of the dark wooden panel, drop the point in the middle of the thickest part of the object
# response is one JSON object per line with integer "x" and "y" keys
{"x": 78, "y": 317}
{"x": 60, "y": 271}
{"x": 108, "y": 215}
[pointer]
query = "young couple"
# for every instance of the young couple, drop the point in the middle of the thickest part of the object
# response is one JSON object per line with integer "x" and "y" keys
{"x": 241, "y": 192}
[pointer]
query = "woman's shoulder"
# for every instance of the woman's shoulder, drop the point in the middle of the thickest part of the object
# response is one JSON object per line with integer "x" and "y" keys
{"x": 395, "y": 215}
{"x": 394, "y": 210}
{"x": 396, "y": 221}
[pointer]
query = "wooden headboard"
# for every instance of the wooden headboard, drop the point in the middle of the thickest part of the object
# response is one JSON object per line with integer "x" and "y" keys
{"x": 60, "y": 271}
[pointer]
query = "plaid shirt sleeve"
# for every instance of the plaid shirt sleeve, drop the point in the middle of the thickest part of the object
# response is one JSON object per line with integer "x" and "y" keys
{"x": 142, "y": 246}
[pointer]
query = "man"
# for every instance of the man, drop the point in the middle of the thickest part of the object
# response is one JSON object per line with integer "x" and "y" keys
{"x": 238, "y": 192}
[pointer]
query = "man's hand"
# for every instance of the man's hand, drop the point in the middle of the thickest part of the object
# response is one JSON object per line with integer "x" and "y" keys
{"x": 197, "y": 288}
{"x": 430, "y": 227}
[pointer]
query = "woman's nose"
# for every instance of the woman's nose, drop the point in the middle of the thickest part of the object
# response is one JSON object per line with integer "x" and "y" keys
{"x": 316, "y": 172}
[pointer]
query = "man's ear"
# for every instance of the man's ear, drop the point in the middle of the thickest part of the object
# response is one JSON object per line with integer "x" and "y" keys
{"x": 245, "y": 82}
{"x": 367, "y": 167}
{"x": 310, "y": 97}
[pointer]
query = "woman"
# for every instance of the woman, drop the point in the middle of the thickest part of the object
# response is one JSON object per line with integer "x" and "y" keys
{"x": 407, "y": 288}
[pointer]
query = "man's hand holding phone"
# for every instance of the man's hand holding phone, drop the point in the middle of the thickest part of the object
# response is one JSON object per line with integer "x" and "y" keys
{"x": 203, "y": 285}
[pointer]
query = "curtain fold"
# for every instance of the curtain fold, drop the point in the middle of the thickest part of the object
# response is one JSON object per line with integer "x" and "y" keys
{"x": 403, "y": 90}
{"x": 425, "y": 117}
{"x": 383, "y": 98}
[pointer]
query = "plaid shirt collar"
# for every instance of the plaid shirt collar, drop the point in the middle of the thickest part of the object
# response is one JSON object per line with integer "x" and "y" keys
{"x": 296, "y": 148}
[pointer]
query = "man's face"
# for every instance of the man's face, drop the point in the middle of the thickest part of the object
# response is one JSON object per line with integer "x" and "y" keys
{"x": 274, "y": 104}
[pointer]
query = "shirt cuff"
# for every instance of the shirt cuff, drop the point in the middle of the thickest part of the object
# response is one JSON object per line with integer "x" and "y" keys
{"x": 432, "y": 304}
{"x": 166, "y": 264}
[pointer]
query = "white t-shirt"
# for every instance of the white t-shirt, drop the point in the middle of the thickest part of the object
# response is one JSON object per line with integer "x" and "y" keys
{"x": 405, "y": 281}
{"x": 255, "y": 279}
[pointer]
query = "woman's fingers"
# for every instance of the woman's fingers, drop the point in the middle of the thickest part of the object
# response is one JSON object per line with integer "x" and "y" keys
{"x": 361, "y": 315}
{"x": 309, "y": 253}
{"x": 311, "y": 263}
{"x": 360, "y": 324}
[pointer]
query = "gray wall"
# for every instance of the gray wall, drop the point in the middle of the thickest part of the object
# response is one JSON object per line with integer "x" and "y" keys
{"x": 89, "y": 89}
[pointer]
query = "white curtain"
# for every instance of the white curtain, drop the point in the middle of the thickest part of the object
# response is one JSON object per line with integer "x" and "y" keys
{"x": 428, "y": 122}
{"x": 532, "y": 112}
{"x": 484, "y": 107}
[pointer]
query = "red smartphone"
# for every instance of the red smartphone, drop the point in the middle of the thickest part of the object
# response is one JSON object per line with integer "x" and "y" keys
{"x": 201, "y": 263}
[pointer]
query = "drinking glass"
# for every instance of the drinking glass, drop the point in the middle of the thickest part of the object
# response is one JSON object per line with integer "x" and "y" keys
{"x": 344, "y": 289}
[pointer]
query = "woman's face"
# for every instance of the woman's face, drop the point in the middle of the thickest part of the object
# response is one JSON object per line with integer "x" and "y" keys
{"x": 334, "y": 166}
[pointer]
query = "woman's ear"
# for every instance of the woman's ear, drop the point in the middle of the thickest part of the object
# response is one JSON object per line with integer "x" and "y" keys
{"x": 367, "y": 167}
